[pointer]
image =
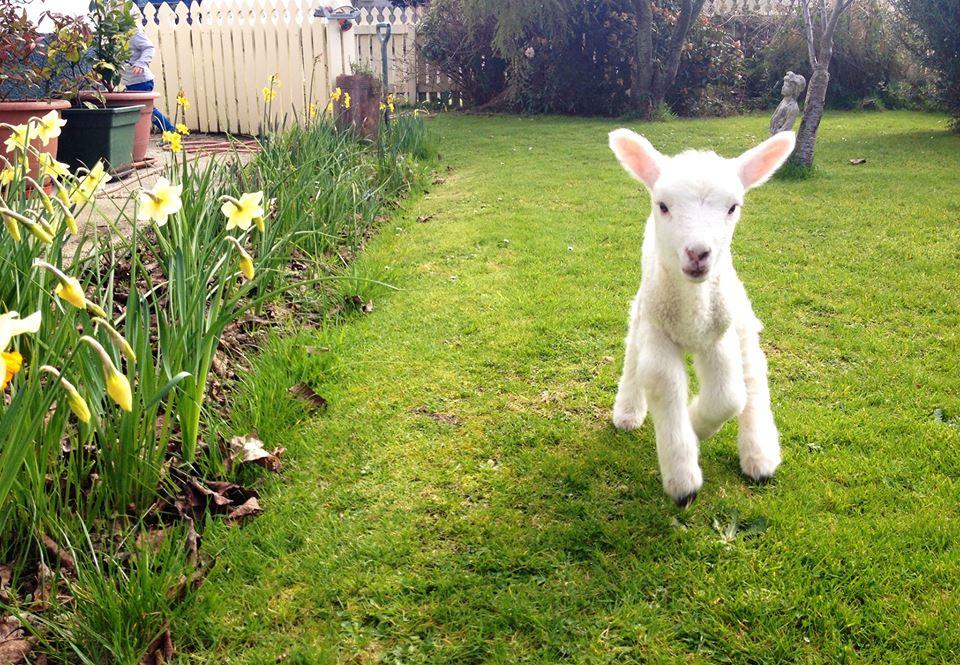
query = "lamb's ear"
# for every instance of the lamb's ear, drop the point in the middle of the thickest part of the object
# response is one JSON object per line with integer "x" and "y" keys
{"x": 639, "y": 158}
{"x": 756, "y": 165}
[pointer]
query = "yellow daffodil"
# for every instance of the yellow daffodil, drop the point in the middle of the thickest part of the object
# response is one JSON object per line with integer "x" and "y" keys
{"x": 246, "y": 261}
{"x": 174, "y": 140}
{"x": 182, "y": 129}
{"x": 242, "y": 212}
{"x": 74, "y": 399}
{"x": 7, "y": 175}
{"x": 89, "y": 184}
{"x": 118, "y": 340}
{"x": 346, "y": 100}
{"x": 383, "y": 107}
{"x": 68, "y": 289}
{"x": 182, "y": 101}
{"x": 12, "y": 325}
{"x": 330, "y": 107}
{"x": 48, "y": 127}
{"x": 312, "y": 110}
{"x": 118, "y": 386}
{"x": 50, "y": 167}
{"x": 336, "y": 94}
{"x": 18, "y": 137}
{"x": 160, "y": 202}
{"x": 11, "y": 362}
{"x": 268, "y": 94}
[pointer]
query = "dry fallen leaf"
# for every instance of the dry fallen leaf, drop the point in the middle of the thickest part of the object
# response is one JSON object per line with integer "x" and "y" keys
{"x": 160, "y": 650}
{"x": 305, "y": 392}
{"x": 62, "y": 555}
{"x": 858, "y": 160}
{"x": 250, "y": 449}
{"x": 15, "y": 644}
{"x": 249, "y": 508}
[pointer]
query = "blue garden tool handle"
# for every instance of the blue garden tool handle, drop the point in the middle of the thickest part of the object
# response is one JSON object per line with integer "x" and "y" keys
{"x": 384, "y": 30}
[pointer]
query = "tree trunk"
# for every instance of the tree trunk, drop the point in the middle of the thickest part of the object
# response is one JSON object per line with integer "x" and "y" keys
{"x": 820, "y": 53}
{"x": 642, "y": 82}
{"x": 666, "y": 74}
{"x": 812, "y": 113}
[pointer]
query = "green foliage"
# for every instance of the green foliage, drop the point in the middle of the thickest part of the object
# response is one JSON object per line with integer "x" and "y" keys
{"x": 932, "y": 28}
{"x": 463, "y": 52}
{"x": 869, "y": 59}
{"x": 113, "y": 26}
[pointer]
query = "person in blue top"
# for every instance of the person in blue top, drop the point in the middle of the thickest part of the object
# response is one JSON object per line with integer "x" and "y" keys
{"x": 137, "y": 77}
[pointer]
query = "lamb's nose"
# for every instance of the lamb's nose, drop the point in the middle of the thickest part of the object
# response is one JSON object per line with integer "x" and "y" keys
{"x": 697, "y": 254}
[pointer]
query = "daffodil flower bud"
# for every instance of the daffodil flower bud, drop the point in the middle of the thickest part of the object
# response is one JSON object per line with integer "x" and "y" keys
{"x": 246, "y": 261}
{"x": 68, "y": 215}
{"x": 118, "y": 340}
{"x": 118, "y": 386}
{"x": 13, "y": 228}
{"x": 68, "y": 289}
{"x": 38, "y": 231}
{"x": 75, "y": 400}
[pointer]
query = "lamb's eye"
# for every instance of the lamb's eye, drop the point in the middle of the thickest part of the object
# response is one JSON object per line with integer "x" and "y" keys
{"x": 732, "y": 209}
{"x": 664, "y": 209}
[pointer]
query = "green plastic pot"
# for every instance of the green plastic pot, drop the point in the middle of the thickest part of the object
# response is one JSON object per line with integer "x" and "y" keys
{"x": 106, "y": 134}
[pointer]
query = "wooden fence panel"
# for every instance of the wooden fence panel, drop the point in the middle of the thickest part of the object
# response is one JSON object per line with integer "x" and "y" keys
{"x": 221, "y": 53}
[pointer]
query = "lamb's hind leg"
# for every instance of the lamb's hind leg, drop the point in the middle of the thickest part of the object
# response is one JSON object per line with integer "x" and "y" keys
{"x": 723, "y": 393}
{"x": 630, "y": 406}
{"x": 758, "y": 440}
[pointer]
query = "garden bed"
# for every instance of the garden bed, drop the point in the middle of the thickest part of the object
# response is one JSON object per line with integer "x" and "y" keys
{"x": 115, "y": 420}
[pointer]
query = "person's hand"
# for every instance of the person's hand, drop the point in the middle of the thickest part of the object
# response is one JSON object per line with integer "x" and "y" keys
{"x": 137, "y": 71}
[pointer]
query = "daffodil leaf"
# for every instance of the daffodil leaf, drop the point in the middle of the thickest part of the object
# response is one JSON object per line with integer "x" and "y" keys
{"x": 168, "y": 386}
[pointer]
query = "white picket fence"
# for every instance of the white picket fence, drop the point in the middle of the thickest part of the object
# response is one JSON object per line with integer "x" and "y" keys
{"x": 221, "y": 54}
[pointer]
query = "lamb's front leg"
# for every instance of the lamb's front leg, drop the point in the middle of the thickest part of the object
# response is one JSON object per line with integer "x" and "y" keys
{"x": 663, "y": 375}
{"x": 758, "y": 440}
{"x": 630, "y": 406}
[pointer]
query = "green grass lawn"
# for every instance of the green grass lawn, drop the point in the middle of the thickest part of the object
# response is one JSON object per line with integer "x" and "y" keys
{"x": 465, "y": 498}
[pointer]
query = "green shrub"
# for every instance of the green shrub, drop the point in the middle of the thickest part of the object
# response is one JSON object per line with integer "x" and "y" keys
{"x": 932, "y": 29}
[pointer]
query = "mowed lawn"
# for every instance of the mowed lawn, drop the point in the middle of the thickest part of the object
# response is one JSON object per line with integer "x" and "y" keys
{"x": 465, "y": 499}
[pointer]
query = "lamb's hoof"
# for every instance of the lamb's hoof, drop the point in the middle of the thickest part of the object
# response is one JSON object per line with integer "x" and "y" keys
{"x": 627, "y": 421}
{"x": 760, "y": 467}
{"x": 686, "y": 501}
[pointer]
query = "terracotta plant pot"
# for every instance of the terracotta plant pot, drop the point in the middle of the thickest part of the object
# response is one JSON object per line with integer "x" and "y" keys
{"x": 366, "y": 93}
{"x": 141, "y": 134}
{"x": 19, "y": 113}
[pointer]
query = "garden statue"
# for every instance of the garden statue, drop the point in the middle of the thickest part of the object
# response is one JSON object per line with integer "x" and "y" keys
{"x": 786, "y": 114}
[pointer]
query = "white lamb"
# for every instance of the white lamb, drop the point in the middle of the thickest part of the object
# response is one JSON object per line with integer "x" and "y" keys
{"x": 691, "y": 300}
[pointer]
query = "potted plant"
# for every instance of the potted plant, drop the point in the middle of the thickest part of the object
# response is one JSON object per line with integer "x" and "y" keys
{"x": 22, "y": 59}
{"x": 96, "y": 131}
{"x": 115, "y": 23}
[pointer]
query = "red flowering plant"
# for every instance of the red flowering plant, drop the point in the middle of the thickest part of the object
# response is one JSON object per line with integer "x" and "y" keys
{"x": 21, "y": 51}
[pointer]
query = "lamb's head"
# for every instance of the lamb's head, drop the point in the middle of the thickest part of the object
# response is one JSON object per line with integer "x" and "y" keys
{"x": 696, "y": 196}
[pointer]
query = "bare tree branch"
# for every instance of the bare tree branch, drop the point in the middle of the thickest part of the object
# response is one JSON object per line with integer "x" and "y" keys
{"x": 808, "y": 35}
